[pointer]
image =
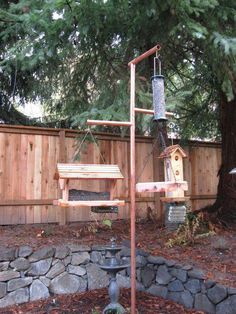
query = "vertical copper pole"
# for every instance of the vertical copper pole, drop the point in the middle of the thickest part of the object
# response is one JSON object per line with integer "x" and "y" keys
{"x": 132, "y": 188}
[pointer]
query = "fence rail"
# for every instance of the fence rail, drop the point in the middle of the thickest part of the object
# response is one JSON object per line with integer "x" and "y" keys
{"x": 28, "y": 157}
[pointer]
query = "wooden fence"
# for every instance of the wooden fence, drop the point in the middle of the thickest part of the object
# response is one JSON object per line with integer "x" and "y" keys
{"x": 28, "y": 158}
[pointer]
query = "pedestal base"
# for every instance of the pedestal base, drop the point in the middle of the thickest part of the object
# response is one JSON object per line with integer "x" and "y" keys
{"x": 114, "y": 308}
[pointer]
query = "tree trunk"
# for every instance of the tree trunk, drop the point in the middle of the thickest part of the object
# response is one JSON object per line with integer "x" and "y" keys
{"x": 224, "y": 207}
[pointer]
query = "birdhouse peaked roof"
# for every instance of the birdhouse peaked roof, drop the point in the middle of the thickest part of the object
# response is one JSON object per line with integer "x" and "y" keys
{"x": 169, "y": 151}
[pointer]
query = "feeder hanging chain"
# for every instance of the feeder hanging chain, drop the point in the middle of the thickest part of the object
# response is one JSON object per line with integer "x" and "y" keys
{"x": 162, "y": 140}
{"x": 89, "y": 132}
{"x": 164, "y": 146}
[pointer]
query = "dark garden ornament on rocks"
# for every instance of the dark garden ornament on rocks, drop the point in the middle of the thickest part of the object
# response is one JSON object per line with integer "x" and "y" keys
{"x": 113, "y": 265}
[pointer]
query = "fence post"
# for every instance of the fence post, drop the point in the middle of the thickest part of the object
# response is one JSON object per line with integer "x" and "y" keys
{"x": 62, "y": 146}
{"x": 61, "y": 211}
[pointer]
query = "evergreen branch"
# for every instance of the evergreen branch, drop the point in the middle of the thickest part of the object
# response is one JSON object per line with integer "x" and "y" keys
{"x": 11, "y": 18}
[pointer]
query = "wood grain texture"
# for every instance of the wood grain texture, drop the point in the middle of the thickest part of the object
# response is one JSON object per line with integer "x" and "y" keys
{"x": 2, "y": 165}
{"x": 104, "y": 203}
{"x": 28, "y": 159}
{"x": 161, "y": 186}
{"x": 88, "y": 171}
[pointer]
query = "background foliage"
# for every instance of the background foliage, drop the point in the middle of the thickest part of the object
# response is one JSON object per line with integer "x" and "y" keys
{"x": 72, "y": 56}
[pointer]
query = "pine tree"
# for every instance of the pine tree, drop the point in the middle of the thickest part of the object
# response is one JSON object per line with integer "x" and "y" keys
{"x": 73, "y": 55}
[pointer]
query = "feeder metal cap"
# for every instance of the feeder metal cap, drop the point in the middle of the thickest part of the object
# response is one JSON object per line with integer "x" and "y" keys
{"x": 157, "y": 76}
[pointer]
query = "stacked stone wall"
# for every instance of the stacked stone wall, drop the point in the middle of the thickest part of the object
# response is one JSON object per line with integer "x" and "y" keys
{"x": 27, "y": 275}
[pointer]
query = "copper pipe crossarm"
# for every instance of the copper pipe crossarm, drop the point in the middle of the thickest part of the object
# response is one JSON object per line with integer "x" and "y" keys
{"x": 105, "y": 122}
{"x": 145, "y": 54}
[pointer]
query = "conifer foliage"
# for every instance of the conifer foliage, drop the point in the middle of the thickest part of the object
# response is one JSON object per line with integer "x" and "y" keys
{"x": 72, "y": 56}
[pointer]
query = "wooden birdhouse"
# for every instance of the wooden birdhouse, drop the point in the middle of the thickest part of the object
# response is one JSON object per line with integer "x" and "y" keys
{"x": 173, "y": 167}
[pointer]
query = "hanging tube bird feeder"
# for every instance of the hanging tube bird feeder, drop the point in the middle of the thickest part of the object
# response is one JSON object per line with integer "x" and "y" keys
{"x": 159, "y": 105}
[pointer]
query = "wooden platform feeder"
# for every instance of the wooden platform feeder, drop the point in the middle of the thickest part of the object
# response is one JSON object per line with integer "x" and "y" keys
{"x": 67, "y": 172}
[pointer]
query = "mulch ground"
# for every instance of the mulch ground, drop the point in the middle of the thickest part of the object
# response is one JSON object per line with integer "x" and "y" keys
{"x": 216, "y": 254}
{"x": 93, "y": 302}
